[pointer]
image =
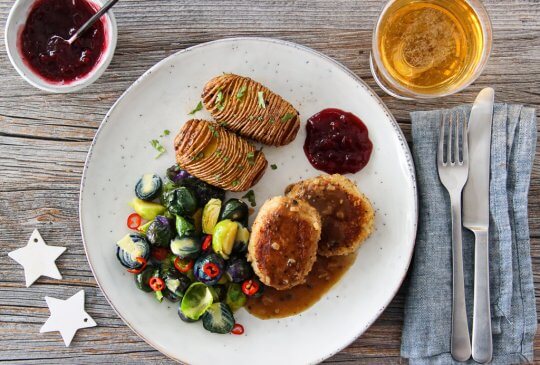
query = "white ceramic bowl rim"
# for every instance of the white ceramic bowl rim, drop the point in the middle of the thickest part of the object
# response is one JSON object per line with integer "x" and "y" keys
{"x": 16, "y": 19}
{"x": 395, "y": 125}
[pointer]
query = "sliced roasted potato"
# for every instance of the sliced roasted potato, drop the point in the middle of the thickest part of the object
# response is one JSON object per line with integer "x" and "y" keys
{"x": 248, "y": 108}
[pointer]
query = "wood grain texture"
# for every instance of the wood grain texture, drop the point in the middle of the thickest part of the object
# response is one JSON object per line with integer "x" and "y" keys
{"x": 44, "y": 139}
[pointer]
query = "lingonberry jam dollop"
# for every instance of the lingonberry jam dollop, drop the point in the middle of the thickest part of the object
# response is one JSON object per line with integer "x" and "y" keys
{"x": 337, "y": 142}
{"x": 50, "y": 56}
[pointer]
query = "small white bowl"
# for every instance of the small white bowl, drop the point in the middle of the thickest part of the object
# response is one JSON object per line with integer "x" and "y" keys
{"x": 15, "y": 23}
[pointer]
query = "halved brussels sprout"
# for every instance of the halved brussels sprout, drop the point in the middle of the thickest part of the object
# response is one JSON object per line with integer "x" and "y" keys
{"x": 209, "y": 268}
{"x": 218, "y": 318}
{"x": 235, "y": 210}
{"x": 130, "y": 247}
{"x": 181, "y": 201}
{"x": 141, "y": 279}
{"x": 148, "y": 187}
{"x": 235, "y": 298}
{"x": 238, "y": 270}
{"x": 147, "y": 210}
{"x": 185, "y": 247}
{"x": 241, "y": 240}
{"x": 219, "y": 292}
{"x": 196, "y": 301}
{"x": 176, "y": 283}
{"x": 184, "y": 227}
{"x": 224, "y": 237}
{"x": 183, "y": 316}
{"x": 210, "y": 215}
{"x": 160, "y": 232}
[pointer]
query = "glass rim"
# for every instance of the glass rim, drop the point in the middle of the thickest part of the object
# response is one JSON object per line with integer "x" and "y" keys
{"x": 407, "y": 94}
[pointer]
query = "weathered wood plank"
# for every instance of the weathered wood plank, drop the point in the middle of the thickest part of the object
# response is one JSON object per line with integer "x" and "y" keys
{"x": 44, "y": 139}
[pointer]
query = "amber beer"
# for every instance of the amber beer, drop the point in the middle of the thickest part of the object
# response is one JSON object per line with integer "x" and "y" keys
{"x": 430, "y": 47}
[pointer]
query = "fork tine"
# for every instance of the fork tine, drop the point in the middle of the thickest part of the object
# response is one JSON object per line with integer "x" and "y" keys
{"x": 440, "y": 153}
{"x": 449, "y": 142}
{"x": 465, "y": 144}
{"x": 457, "y": 140}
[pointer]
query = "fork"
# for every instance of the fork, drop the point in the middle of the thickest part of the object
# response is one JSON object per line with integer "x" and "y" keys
{"x": 453, "y": 172}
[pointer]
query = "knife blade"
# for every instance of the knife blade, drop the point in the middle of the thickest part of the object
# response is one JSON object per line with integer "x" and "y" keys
{"x": 476, "y": 218}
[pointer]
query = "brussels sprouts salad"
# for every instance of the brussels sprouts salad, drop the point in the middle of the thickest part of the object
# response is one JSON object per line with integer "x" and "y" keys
{"x": 188, "y": 245}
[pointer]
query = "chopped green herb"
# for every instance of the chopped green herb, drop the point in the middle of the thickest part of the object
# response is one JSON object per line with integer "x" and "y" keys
{"x": 239, "y": 167}
{"x": 273, "y": 166}
{"x": 158, "y": 147}
{"x": 218, "y": 152}
{"x": 213, "y": 130}
{"x": 235, "y": 183}
{"x": 197, "y": 108}
{"x": 251, "y": 117}
{"x": 250, "y": 196}
{"x": 287, "y": 117}
{"x": 226, "y": 159}
{"x": 218, "y": 177}
{"x": 219, "y": 100}
{"x": 251, "y": 158}
{"x": 271, "y": 120}
{"x": 198, "y": 156}
{"x": 260, "y": 118}
{"x": 223, "y": 124}
{"x": 240, "y": 94}
{"x": 166, "y": 132}
{"x": 262, "y": 103}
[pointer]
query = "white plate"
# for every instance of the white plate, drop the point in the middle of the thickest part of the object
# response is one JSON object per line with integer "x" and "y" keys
{"x": 161, "y": 99}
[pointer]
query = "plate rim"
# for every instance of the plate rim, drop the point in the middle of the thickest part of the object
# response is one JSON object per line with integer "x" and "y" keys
{"x": 395, "y": 125}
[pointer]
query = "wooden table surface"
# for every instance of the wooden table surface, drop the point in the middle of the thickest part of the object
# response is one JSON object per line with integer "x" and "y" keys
{"x": 44, "y": 139}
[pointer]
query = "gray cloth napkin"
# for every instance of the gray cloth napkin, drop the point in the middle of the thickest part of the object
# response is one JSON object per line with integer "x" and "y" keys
{"x": 427, "y": 325}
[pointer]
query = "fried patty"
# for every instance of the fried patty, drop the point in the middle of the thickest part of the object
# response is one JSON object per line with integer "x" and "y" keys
{"x": 346, "y": 214}
{"x": 283, "y": 243}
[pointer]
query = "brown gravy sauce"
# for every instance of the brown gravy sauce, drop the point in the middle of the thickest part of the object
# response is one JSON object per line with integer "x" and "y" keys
{"x": 284, "y": 303}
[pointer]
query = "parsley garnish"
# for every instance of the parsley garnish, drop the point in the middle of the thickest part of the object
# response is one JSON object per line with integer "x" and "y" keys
{"x": 273, "y": 166}
{"x": 241, "y": 92}
{"x": 226, "y": 159}
{"x": 166, "y": 132}
{"x": 250, "y": 196}
{"x": 251, "y": 158}
{"x": 219, "y": 100}
{"x": 271, "y": 121}
{"x": 235, "y": 183}
{"x": 218, "y": 152}
{"x": 213, "y": 130}
{"x": 158, "y": 147}
{"x": 198, "y": 156}
{"x": 251, "y": 117}
{"x": 260, "y": 95}
{"x": 197, "y": 108}
{"x": 287, "y": 117}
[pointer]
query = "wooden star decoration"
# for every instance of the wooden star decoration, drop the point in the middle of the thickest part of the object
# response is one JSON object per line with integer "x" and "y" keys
{"x": 67, "y": 316}
{"x": 38, "y": 259}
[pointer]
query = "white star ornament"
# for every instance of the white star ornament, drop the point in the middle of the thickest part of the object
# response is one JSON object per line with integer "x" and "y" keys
{"x": 38, "y": 259}
{"x": 67, "y": 316}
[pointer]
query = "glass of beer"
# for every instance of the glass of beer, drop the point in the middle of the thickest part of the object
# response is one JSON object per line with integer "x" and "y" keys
{"x": 430, "y": 48}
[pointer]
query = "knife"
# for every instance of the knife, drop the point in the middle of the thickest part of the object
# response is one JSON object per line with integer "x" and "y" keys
{"x": 476, "y": 218}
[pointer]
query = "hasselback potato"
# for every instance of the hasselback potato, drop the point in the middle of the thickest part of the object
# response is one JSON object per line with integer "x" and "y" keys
{"x": 248, "y": 108}
{"x": 217, "y": 156}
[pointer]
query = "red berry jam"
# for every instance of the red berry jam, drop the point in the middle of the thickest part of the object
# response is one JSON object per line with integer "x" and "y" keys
{"x": 337, "y": 142}
{"x": 51, "y": 57}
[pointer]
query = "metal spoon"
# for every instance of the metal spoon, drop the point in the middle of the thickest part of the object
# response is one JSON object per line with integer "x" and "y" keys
{"x": 109, "y": 4}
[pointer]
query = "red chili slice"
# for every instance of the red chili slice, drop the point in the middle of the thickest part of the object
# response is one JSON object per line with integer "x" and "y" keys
{"x": 142, "y": 260}
{"x": 134, "y": 221}
{"x": 211, "y": 269}
{"x": 156, "y": 283}
{"x": 207, "y": 242}
{"x": 238, "y": 329}
{"x": 250, "y": 287}
{"x": 160, "y": 253}
{"x": 183, "y": 265}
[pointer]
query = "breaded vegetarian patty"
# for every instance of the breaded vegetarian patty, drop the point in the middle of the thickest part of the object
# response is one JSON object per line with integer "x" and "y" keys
{"x": 283, "y": 243}
{"x": 346, "y": 214}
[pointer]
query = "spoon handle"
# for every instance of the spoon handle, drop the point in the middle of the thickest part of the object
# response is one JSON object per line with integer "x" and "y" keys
{"x": 109, "y": 4}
